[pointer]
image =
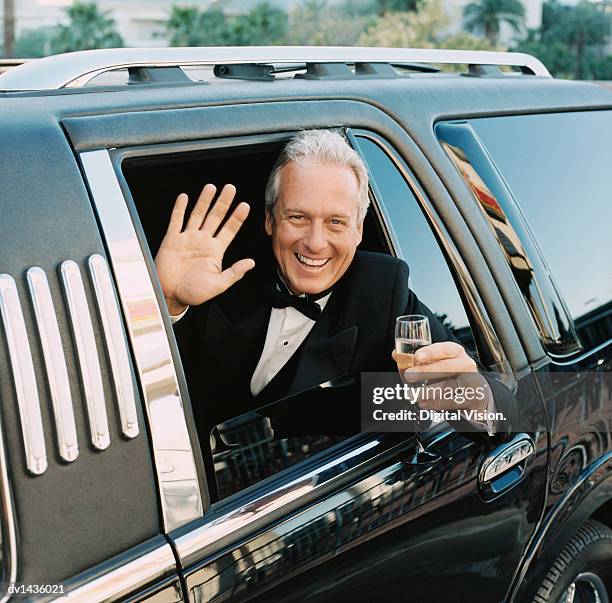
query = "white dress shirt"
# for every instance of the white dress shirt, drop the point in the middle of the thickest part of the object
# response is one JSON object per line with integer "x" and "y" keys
{"x": 287, "y": 329}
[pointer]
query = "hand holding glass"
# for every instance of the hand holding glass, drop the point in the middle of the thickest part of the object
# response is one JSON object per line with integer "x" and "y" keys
{"x": 411, "y": 333}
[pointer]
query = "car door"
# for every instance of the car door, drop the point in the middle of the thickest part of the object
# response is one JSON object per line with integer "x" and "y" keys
{"x": 354, "y": 517}
{"x": 361, "y": 520}
{"x": 552, "y": 215}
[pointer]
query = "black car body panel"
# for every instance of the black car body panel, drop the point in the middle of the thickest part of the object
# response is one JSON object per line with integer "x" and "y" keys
{"x": 378, "y": 526}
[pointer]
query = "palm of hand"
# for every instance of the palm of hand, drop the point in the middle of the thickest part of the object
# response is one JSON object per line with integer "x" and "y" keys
{"x": 189, "y": 266}
{"x": 189, "y": 262}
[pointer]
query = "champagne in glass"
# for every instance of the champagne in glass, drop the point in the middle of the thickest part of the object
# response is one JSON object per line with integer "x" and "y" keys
{"x": 411, "y": 333}
{"x": 405, "y": 349}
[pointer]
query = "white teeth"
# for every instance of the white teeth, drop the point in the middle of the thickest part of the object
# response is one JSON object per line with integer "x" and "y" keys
{"x": 311, "y": 262}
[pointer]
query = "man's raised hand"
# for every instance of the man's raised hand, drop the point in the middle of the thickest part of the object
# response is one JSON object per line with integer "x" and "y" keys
{"x": 189, "y": 260}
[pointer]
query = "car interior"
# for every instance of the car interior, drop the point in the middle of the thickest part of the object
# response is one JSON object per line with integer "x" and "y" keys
{"x": 243, "y": 447}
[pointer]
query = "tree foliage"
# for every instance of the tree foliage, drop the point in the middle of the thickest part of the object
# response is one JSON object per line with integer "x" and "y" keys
{"x": 486, "y": 16}
{"x": 467, "y": 41}
{"x": 387, "y": 6}
{"x": 35, "y": 43}
{"x": 425, "y": 28}
{"x": 317, "y": 23}
{"x": 264, "y": 25}
{"x": 187, "y": 26}
{"x": 421, "y": 29}
{"x": 88, "y": 28}
{"x": 572, "y": 40}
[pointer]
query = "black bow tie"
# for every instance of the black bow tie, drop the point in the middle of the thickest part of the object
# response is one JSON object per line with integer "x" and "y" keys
{"x": 281, "y": 297}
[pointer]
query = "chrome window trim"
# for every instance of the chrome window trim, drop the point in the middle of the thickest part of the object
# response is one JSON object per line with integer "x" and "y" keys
{"x": 125, "y": 580}
{"x": 76, "y": 69}
{"x": 190, "y": 545}
{"x": 24, "y": 377}
{"x": 116, "y": 344}
{"x": 9, "y": 532}
{"x": 582, "y": 356}
{"x": 89, "y": 362}
{"x": 55, "y": 364}
{"x": 173, "y": 456}
{"x": 468, "y": 287}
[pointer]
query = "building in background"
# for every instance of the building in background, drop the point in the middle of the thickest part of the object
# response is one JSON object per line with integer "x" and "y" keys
{"x": 139, "y": 22}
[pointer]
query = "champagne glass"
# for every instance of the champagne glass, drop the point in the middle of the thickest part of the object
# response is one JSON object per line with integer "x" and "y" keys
{"x": 411, "y": 333}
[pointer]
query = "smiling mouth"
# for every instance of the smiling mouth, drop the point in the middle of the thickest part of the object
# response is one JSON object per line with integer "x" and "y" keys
{"x": 310, "y": 262}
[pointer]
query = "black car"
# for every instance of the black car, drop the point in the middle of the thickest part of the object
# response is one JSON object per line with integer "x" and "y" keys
{"x": 492, "y": 183}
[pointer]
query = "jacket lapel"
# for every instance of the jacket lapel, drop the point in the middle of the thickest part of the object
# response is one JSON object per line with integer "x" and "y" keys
{"x": 328, "y": 349}
{"x": 237, "y": 343}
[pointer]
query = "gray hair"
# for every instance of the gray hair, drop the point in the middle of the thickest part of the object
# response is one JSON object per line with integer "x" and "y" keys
{"x": 319, "y": 146}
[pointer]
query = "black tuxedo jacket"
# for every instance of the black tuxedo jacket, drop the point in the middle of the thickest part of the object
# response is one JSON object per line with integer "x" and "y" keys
{"x": 222, "y": 341}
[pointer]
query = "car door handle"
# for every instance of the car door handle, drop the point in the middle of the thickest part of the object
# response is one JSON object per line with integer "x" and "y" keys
{"x": 505, "y": 466}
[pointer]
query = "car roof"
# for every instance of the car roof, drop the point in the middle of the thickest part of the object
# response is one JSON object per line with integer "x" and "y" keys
{"x": 425, "y": 99}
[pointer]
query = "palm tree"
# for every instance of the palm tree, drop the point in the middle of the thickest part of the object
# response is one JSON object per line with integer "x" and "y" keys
{"x": 187, "y": 26}
{"x": 588, "y": 28}
{"x": 264, "y": 25}
{"x": 183, "y": 26}
{"x": 487, "y": 15}
{"x": 88, "y": 28}
{"x": 9, "y": 27}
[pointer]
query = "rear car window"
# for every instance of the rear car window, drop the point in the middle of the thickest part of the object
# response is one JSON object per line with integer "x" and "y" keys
{"x": 565, "y": 192}
{"x": 430, "y": 276}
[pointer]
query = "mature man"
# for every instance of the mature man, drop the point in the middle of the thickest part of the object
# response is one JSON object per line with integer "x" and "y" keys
{"x": 314, "y": 309}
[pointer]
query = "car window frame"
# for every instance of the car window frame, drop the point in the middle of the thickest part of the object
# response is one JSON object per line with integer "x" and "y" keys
{"x": 515, "y": 220}
{"x": 193, "y": 535}
{"x": 274, "y": 482}
{"x": 489, "y": 348}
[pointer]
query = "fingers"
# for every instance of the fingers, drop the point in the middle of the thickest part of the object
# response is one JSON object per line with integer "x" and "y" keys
{"x": 235, "y": 272}
{"x": 178, "y": 214}
{"x": 438, "y": 351}
{"x": 201, "y": 207}
{"x": 459, "y": 364}
{"x": 444, "y": 358}
{"x": 464, "y": 390}
{"x": 233, "y": 224}
{"x": 219, "y": 210}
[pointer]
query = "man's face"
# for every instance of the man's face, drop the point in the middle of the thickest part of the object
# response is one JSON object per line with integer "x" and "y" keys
{"x": 314, "y": 229}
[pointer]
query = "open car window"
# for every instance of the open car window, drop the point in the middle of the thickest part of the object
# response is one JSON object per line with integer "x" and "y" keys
{"x": 240, "y": 446}
{"x": 258, "y": 444}
{"x": 242, "y": 442}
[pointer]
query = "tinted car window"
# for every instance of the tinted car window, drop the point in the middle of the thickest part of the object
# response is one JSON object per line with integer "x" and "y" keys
{"x": 430, "y": 277}
{"x": 259, "y": 444}
{"x": 564, "y": 190}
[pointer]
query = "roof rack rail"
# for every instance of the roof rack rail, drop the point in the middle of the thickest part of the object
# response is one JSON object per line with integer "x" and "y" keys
{"x": 6, "y": 64}
{"x": 76, "y": 69}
